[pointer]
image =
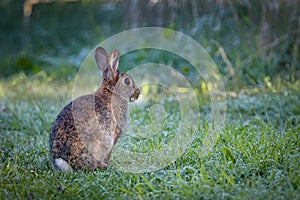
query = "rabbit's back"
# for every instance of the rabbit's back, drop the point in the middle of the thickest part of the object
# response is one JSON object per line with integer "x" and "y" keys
{"x": 81, "y": 133}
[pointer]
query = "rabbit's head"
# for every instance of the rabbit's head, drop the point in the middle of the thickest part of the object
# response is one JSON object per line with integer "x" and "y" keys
{"x": 121, "y": 84}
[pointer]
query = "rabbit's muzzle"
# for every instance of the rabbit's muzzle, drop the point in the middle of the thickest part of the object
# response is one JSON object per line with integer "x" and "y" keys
{"x": 135, "y": 95}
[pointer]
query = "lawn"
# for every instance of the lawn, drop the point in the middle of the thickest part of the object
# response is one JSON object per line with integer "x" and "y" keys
{"x": 257, "y": 154}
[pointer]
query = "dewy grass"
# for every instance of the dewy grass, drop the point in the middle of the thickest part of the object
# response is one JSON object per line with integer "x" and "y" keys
{"x": 256, "y": 157}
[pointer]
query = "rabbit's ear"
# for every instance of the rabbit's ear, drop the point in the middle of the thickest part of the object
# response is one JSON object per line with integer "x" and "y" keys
{"x": 101, "y": 58}
{"x": 113, "y": 62}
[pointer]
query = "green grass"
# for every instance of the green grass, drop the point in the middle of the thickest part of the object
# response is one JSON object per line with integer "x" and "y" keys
{"x": 257, "y": 155}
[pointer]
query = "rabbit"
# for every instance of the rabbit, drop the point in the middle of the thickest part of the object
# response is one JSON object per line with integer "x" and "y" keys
{"x": 86, "y": 130}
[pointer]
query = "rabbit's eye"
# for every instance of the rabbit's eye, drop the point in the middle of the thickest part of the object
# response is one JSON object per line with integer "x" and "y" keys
{"x": 127, "y": 81}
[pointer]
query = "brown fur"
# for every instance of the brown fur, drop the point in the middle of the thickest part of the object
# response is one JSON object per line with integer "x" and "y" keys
{"x": 86, "y": 130}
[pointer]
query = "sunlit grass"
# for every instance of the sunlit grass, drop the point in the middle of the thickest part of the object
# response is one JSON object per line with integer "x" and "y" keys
{"x": 257, "y": 154}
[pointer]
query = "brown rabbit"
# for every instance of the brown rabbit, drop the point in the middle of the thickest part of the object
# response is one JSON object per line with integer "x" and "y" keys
{"x": 85, "y": 131}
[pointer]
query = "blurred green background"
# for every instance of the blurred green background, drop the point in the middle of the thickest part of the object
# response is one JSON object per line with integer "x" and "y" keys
{"x": 255, "y": 45}
{"x": 252, "y": 42}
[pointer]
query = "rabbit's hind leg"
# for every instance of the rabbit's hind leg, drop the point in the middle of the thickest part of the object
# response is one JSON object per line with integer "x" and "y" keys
{"x": 62, "y": 165}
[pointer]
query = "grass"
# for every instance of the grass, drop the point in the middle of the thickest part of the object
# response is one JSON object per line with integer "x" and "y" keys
{"x": 257, "y": 155}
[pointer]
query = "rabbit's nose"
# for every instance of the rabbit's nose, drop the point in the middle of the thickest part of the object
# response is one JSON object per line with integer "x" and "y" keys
{"x": 135, "y": 95}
